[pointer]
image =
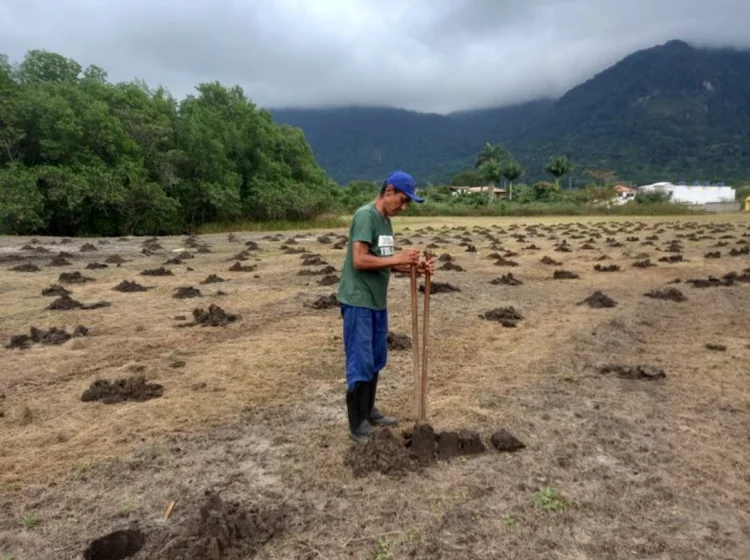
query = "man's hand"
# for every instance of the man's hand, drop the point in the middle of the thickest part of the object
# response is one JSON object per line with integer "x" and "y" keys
{"x": 426, "y": 266}
{"x": 406, "y": 258}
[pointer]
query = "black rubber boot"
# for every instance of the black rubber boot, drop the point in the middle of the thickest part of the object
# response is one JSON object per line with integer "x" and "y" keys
{"x": 356, "y": 405}
{"x": 374, "y": 416}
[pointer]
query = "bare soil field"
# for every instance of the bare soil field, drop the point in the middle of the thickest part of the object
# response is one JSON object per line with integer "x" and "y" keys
{"x": 588, "y": 389}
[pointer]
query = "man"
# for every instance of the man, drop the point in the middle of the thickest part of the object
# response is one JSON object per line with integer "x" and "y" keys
{"x": 362, "y": 294}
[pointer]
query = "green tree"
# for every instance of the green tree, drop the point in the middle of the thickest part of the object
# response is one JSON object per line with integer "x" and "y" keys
{"x": 489, "y": 163}
{"x": 512, "y": 171}
{"x": 468, "y": 178}
{"x": 558, "y": 166}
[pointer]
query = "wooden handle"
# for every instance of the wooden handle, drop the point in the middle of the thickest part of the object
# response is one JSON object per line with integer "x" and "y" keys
{"x": 415, "y": 340}
{"x": 425, "y": 345}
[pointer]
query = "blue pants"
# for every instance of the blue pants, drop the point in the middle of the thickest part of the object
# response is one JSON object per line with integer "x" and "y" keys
{"x": 365, "y": 343}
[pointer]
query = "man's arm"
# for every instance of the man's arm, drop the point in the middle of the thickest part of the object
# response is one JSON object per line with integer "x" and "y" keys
{"x": 364, "y": 260}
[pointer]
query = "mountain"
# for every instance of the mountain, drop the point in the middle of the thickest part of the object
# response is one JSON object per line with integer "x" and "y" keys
{"x": 671, "y": 112}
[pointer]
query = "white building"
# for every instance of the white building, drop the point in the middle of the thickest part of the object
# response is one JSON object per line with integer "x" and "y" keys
{"x": 693, "y": 194}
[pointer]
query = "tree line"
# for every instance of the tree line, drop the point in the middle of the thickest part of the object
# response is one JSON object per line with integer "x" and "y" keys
{"x": 81, "y": 155}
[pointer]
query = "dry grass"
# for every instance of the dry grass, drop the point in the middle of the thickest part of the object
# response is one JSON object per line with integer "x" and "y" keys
{"x": 648, "y": 469}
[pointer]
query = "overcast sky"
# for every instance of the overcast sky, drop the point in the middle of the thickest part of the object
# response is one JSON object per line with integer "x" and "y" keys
{"x": 428, "y": 55}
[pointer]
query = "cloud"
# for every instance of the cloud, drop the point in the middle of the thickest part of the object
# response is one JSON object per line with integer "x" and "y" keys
{"x": 430, "y": 55}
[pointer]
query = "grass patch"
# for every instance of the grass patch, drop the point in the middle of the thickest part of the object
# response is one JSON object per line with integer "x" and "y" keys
{"x": 547, "y": 209}
{"x": 322, "y": 222}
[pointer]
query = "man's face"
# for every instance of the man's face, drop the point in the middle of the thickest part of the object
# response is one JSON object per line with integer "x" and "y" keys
{"x": 395, "y": 202}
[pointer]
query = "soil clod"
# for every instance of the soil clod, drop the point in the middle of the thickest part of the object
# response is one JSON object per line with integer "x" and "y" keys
{"x": 239, "y": 267}
{"x": 212, "y": 279}
{"x": 506, "y": 316}
{"x": 127, "y": 389}
{"x": 384, "y": 453}
{"x": 115, "y": 546}
{"x": 26, "y": 267}
{"x": 328, "y": 280}
{"x": 186, "y": 292}
{"x": 440, "y": 288}
{"x": 669, "y": 294}
{"x": 126, "y": 286}
{"x": 599, "y": 300}
{"x": 452, "y": 266}
{"x": 55, "y": 290}
{"x": 325, "y": 302}
{"x": 161, "y": 271}
{"x": 634, "y": 372}
{"x": 215, "y": 316}
{"x": 564, "y": 275}
{"x": 398, "y": 341}
{"x": 503, "y": 441}
{"x": 40, "y": 336}
{"x": 507, "y": 279}
{"x": 716, "y": 347}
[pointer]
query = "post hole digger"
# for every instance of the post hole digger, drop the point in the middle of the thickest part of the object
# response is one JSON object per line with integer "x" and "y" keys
{"x": 420, "y": 374}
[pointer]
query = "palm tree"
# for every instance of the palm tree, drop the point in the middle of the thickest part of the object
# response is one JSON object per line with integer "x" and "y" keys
{"x": 489, "y": 161}
{"x": 511, "y": 171}
{"x": 557, "y": 166}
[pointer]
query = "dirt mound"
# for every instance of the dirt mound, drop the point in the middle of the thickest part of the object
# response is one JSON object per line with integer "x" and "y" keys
{"x": 126, "y": 286}
{"x": 713, "y": 255}
{"x": 172, "y": 262}
{"x": 384, "y": 453}
{"x": 325, "y": 302}
{"x": 55, "y": 290}
{"x": 40, "y": 336}
{"x": 66, "y": 303}
{"x": 161, "y": 271}
{"x": 452, "y": 266}
{"x": 212, "y": 279}
{"x": 671, "y": 259}
{"x": 115, "y": 546}
{"x": 73, "y": 278}
{"x": 607, "y": 268}
{"x": 293, "y": 250}
{"x": 440, "y": 288}
{"x": 503, "y": 440}
{"x": 220, "y": 530}
{"x": 114, "y": 259}
{"x": 328, "y": 280}
{"x": 587, "y": 247}
{"x": 506, "y": 316}
{"x": 96, "y": 265}
{"x": 505, "y": 262}
{"x": 712, "y": 282}
{"x": 398, "y": 341}
{"x": 646, "y": 263}
{"x": 716, "y": 347}
{"x": 739, "y": 252}
{"x": 599, "y": 300}
{"x": 670, "y": 294}
{"x": 26, "y": 267}
{"x": 507, "y": 279}
{"x": 313, "y": 261}
{"x": 252, "y": 246}
{"x": 59, "y": 261}
{"x": 215, "y": 316}
{"x": 445, "y": 257}
{"x": 88, "y": 247}
{"x": 550, "y": 261}
{"x": 186, "y": 292}
{"x": 634, "y": 372}
{"x": 564, "y": 275}
{"x": 128, "y": 389}
{"x": 239, "y": 267}
{"x": 453, "y": 444}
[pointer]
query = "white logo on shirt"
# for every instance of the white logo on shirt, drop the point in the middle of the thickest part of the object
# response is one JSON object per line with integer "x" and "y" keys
{"x": 385, "y": 245}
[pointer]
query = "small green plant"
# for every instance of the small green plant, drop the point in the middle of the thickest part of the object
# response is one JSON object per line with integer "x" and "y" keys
{"x": 549, "y": 499}
{"x": 6, "y": 556}
{"x": 510, "y": 520}
{"x": 383, "y": 552}
{"x": 30, "y": 520}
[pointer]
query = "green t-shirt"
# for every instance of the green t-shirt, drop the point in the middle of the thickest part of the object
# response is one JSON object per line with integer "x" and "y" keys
{"x": 367, "y": 288}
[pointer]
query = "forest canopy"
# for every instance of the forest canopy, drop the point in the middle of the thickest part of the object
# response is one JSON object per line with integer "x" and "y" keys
{"x": 80, "y": 155}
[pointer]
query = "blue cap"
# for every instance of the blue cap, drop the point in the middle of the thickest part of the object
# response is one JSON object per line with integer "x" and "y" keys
{"x": 405, "y": 183}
